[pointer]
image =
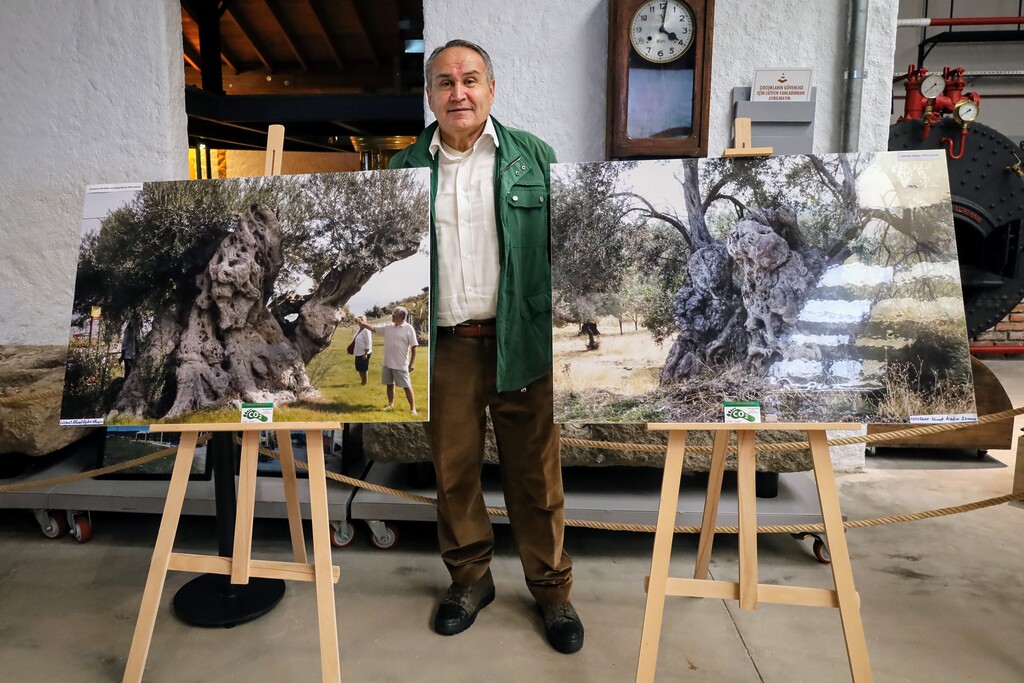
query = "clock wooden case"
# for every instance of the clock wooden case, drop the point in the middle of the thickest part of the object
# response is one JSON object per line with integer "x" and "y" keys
{"x": 659, "y": 77}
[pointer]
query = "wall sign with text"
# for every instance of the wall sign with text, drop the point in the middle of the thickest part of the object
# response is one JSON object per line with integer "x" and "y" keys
{"x": 781, "y": 85}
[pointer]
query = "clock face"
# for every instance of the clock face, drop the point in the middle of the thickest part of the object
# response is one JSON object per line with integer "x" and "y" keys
{"x": 662, "y": 30}
{"x": 659, "y": 77}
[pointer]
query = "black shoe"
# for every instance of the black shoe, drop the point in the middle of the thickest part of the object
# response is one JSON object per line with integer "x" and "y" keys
{"x": 563, "y": 627}
{"x": 460, "y": 605}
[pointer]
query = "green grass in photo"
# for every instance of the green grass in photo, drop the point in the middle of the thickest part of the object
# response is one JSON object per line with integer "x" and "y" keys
{"x": 342, "y": 397}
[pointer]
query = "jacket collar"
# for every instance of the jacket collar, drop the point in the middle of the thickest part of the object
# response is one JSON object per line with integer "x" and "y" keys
{"x": 488, "y": 131}
{"x": 420, "y": 154}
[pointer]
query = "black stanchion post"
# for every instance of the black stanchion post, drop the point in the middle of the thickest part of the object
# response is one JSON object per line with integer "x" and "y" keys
{"x": 211, "y": 600}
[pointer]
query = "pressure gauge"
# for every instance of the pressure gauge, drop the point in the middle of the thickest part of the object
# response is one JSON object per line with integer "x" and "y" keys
{"x": 965, "y": 111}
{"x": 932, "y": 86}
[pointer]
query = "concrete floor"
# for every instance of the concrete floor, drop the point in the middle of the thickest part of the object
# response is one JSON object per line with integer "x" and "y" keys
{"x": 941, "y": 599}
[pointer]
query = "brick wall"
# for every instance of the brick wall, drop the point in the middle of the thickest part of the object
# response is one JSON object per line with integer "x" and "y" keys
{"x": 1007, "y": 332}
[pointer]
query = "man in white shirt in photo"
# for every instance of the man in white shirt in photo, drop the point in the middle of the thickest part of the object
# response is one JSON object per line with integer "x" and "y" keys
{"x": 399, "y": 355}
{"x": 362, "y": 350}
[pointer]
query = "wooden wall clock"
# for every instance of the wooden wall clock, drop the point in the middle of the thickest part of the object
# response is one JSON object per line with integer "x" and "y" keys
{"x": 659, "y": 77}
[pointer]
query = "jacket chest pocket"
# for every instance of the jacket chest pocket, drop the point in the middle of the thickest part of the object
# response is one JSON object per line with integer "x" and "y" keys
{"x": 526, "y": 216}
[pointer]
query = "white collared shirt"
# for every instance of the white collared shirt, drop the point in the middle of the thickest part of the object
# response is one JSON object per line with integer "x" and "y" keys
{"x": 398, "y": 339}
{"x": 466, "y": 230}
{"x": 364, "y": 342}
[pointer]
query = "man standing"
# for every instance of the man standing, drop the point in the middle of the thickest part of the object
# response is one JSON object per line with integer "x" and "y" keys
{"x": 362, "y": 349}
{"x": 491, "y": 343}
{"x": 399, "y": 355}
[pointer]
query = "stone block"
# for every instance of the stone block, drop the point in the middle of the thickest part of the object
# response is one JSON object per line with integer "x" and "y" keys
{"x": 31, "y": 386}
{"x": 405, "y": 442}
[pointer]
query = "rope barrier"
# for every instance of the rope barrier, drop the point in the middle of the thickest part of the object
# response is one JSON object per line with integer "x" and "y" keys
{"x": 687, "y": 529}
{"x": 91, "y": 474}
{"x": 614, "y": 445}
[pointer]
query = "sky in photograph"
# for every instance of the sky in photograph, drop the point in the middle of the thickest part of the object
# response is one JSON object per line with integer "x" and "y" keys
{"x": 656, "y": 182}
{"x": 100, "y": 200}
{"x": 398, "y": 281}
{"x": 925, "y": 180}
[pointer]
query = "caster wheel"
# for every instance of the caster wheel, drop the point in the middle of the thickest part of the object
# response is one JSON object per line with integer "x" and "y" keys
{"x": 83, "y": 529}
{"x": 342, "y": 538}
{"x": 386, "y": 539}
{"x": 821, "y": 551}
{"x": 56, "y": 526}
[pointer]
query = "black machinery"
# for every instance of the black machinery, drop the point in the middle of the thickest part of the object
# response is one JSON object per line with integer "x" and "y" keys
{"x": 986, "y": 185}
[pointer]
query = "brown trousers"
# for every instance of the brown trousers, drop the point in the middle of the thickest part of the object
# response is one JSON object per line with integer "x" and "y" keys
{"x": 464, "y": 383}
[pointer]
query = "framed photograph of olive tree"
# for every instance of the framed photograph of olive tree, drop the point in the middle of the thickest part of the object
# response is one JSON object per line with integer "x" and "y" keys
{"x": 194, "y": 297}
{"x": 824, "y": 288}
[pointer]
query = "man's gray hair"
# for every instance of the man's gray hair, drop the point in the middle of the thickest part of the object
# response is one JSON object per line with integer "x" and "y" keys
{"x": 402, "y": 311}
{"x": 428, "y": 66}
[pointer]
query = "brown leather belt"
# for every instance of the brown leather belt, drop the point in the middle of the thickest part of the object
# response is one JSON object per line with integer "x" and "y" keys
{"x": 470, "y": 330}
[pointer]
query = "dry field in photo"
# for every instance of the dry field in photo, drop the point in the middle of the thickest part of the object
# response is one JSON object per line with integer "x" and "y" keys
{"x": 628, "y": 364}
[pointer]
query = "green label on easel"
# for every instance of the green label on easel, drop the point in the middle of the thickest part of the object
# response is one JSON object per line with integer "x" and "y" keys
{"x": 742, "y": 411}
{"x": 257, "y": 413}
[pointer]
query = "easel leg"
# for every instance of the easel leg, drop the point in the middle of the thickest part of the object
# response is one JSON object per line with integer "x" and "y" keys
{"x": 246, "y": 507}
{"x": 291, "y": 495}
{"x": 330, "y": 663}
{"x": 747, "y": 501}
{"x": 161, "y": 557}
{"x": 714, "y": 494}
{"x": 662, "y": 555}
{"x": 842, "y": 571}
{"x": 1018, "y": 472}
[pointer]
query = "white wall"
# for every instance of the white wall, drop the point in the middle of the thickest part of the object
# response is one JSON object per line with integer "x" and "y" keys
{"x": 1001, "y": 98}
{"x": 551, "y": 62}
{"x": 93, "y": 92}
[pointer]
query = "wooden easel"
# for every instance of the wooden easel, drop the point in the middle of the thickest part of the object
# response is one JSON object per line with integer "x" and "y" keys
{"x": 747, "y": 590}
{"x": 1018, "y": 471}
{"x": 240, "y": 566}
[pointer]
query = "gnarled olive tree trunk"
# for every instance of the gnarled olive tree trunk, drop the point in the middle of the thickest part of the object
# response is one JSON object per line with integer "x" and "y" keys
{"x": 231, "y": 345}
{"x": 742, "y": 296}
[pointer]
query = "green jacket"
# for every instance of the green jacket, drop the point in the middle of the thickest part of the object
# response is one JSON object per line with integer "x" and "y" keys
{"x": 521, "y": 192}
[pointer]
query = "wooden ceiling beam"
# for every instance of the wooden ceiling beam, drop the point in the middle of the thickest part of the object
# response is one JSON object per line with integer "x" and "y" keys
{"x": 191, "y": 53}
{"x": 229, "y": 59}
{"x": 226, "y": 55}
{"x": 361, "y": 25}
{"x": 289, "y": 36}
{"x": 250, "y": 35}
{"x": 321, "y": 20}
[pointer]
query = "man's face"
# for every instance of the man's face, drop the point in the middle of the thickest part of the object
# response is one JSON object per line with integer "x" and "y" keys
{"x": 459, "y": 94}
{"x": 397, "y": 318}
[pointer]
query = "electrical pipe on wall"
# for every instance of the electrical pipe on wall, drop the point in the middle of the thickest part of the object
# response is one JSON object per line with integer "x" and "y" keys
{"x": 854, "y": 76}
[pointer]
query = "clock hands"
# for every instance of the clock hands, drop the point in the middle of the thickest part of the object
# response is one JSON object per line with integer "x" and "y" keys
{"x": 664, "y": 20}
